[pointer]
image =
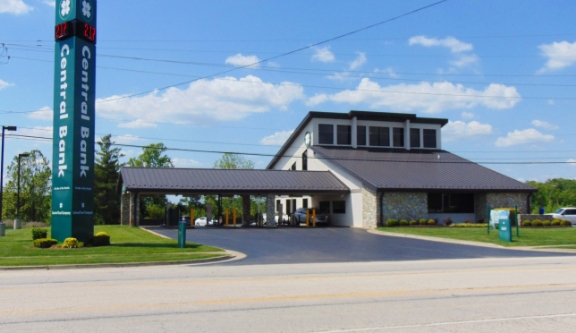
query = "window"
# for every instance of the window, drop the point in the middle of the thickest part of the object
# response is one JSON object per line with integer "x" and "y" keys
{"x": 570, "y": 212}
{"x": 380, "y": 136}
{"x": 343, "y": 135}
{"x": 398, "y": 136}
{"x": 415, "y": 138}
{"x": 429, "y": 138}
{"x": 305, "y": 203}
{"x": 361, "y": 135}
{"x": 293, "y": 205}
{"x": 288, "y": 211}
{"x": 323, "y": 207}
{"x": 450, "y": 203}
{"x": 277, "y": 205}
{"x": 305, "y": 160}
{"x": 293, "y": 166}
{"x": 326, "y": 134}
{"x": 339, "y": 207}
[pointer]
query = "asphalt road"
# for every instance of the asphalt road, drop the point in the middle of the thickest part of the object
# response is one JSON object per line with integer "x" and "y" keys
{"x": 319, "y": 245}
{"x": 474, "y": 295}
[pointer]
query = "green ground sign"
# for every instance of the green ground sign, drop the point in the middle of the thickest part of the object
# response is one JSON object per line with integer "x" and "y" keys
{"x": 74, "y": 113}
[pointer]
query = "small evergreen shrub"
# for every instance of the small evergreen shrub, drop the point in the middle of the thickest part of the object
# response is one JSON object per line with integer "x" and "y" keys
{"x": 566, "y": 223}
{"x": 431, "y": 222}
{"x": 524, "y": 222}
{"x": 422, "y": 222}
{"x": 557, "y": 220}
{"x": 45, "y": 243}
{"x": 413, "y": 222}
{"x": 537, "y": 223}
{"x": 527, "y": 223}
{"x": 71, "y": 243}
{"x": 403, "y": 223}
{"x": 556, "y": 223}
{"x": 100, "y": 239}
{"x": 392, "y": 223}
{"x": 546, "y": 223}
{"x": 38, "y": 233}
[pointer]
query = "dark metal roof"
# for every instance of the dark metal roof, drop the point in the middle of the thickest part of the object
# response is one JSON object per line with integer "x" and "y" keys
{"x": 417, "y": 170}
{"x": 229, "y": 181}
{"x": 361, "y": 115}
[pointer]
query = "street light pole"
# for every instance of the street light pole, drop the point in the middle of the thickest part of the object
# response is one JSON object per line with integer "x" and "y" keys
{"x": 4, "y": 128}
{"x": 18, "y": 223}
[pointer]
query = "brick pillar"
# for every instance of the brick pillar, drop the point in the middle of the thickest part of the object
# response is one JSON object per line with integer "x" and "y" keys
{"x": 270, "y": 210}
{"x": 246, "y": 210}
{"x": 125, "y": 209}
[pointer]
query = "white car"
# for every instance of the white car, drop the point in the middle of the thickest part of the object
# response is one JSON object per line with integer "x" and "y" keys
{"x": 201, "y": 221}
{"x": 566, "y": 213}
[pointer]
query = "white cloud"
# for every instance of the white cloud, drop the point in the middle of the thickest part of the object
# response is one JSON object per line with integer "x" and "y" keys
{"x": 240, "y": 60}
{"x": 551, "y": 102}
{"x": 341, "y": 76}
{"x": 203, "y": 101}
{"x": 138, "y": 123}
{"x": 559, "y": 54}
{"x": 323, "y": 54}
{"x": 465, "y": 60}
{"x": 426, "y": 97}
{"x": 49, "y": 3}
{"x": 185, "y": 163}
{"x": 38, "y": 131}
{"x": 276, "y": 139}
{"x": 518, "y": 137}
{"x": 468, "y": 115}
{"x": 16, "y": 7}
{"x": 126, "y": 139}
{"x": 44, "y": 113}
{"x": 452, "y": 43}
{"x": 359, "y": 61}
{"x": 544, "y": 124}
{"x": 459, "y": 130}
{"x": 388, "y": 71}
{"x": 4, "y": 84}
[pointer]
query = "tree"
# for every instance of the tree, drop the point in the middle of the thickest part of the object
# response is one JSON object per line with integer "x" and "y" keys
{"x": 106, "y": 198}
{"x": 35, "y": 188}
{"x": 152, "y": 157}
{"x": 233, "y": 161}
{"x": 553, "y": 194}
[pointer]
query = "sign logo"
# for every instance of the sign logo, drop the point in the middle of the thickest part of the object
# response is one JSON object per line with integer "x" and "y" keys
{"x": 87, "y": 9}
{"x": 65, "y": 9}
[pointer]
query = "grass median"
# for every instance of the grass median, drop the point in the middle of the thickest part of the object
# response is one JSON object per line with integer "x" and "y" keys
{"x": 549, "y": 237}
{"x": 128, "y": 245}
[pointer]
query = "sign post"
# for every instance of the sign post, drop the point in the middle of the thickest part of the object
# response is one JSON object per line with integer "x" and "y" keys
{"x": 74, "y": 113}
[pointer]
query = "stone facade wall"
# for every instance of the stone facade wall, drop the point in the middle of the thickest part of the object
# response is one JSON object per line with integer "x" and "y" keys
{"x": 533, "y": 217}
{"x": 370, "y": 217}
{"x": 405, "y": 205}
{"x": 125, "y": 209}
{"x": 480, "y": 206}
{"x": 270, "y": 210}
{"x": 508, "y": 200}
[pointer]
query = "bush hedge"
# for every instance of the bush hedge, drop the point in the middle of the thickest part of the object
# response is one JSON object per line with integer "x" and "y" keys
{"x": 100, "y": 239}
{"x": 45, "y": 243}
{"x": 566, "y": 223}
{"x": 413, "y": 222}
{"x": 422, "y": 222}
{"x": 546, "y": 223}
{"x": 71, "y": 243}
{"x": 404, "y": 223}
{"x": 431, "y": 222}
{"x": 527, "y": 223}
{"x": 556, "y": 223}
{"x": 39, "y": 233}
{"x": 537, "y": 223}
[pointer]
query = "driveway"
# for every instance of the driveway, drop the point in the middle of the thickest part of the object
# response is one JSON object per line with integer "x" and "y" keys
{"x": 321, "y": 245}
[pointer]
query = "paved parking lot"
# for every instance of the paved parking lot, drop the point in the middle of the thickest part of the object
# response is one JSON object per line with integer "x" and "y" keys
{"x": 330, "y": 244}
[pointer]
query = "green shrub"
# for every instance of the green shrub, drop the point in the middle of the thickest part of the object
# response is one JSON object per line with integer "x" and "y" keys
{"x": 537, "y": 223}
{"x": 403, "y": 223}
{"x": 38, "y": 233}
{"x": 527, "y": 223}
{"x": 422, "y": 222}
{"x": 546, "y": 223}
{"x": 71, "y": 243}
{"x": 392, "y": 223}
{"x": 557, "y": 220}
{"x": 566, "y": 223}
{"x": 45, "y": 243}
{"x": 556, "y": 223}
{"x": 524, "y": 221}
{"x": 431, "y": 222}
{"x": 413, "y": 222}
{"x": 100, "y": 239}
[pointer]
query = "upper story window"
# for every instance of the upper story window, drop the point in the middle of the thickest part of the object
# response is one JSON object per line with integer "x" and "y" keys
{"x": 380, "y": 136}
{"x": 305, "y": 160}
{"x": 326, "y": 134}
{"x": 398, "y": 136}
{"x": 429, "y": 138}
{"x": 415, "y": 138}
{"x": 343, "y": 135}
{"x": 361, "y": 135}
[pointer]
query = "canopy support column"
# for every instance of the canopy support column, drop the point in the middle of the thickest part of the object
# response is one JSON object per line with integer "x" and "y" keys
{"x": 245, "y": 210}
{"x": 270, "y": 211}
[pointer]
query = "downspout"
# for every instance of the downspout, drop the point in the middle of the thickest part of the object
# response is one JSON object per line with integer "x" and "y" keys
{"x": 381, "y": 209}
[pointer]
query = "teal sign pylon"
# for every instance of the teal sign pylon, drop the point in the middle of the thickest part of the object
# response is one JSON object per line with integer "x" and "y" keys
{"x": 74, "y": 113}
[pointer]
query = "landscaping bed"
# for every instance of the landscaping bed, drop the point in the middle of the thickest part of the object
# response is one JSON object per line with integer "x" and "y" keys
{"x": 557, "y": 237}
{"x": 128, "y": 245}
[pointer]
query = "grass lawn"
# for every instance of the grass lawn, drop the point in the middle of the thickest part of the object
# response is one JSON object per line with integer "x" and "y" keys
{"x": 553, "y": 237}
{"x": 129, "y": 245}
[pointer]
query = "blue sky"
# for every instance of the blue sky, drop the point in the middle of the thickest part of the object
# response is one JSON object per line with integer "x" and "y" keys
{"x": 502, "y": 72}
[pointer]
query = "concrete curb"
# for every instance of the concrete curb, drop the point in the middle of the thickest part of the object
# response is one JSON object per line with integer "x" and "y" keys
{"x": 470, "y": 243}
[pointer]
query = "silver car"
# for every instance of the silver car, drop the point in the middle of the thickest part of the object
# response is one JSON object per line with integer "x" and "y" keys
{"x": 566, "y": 213}
{"x": 321, "y": 217}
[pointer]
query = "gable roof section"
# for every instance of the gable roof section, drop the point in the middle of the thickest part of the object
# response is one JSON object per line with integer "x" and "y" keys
{"x": 360, "y": 115}
{"x": 229, "y": 181}
{"x": 386, "y": 169}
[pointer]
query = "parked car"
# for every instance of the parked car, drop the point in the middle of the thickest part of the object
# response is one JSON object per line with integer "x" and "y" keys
{"x": 201, "y": 221}
{"x": 321, "y": 216}
{"x": 566, "y": 213}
